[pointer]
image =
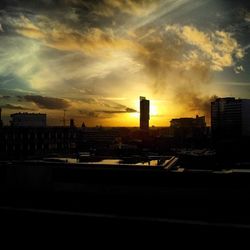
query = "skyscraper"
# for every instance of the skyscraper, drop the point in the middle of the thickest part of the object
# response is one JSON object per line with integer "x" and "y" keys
{"x": 144, "y": 113}
{"x": 230, "y": 117}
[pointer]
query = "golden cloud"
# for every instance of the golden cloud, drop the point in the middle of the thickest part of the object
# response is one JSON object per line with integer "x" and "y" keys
{"x": 218, "y": 48}
{"x": 108, "y": 8}
{"x": 137, "y": 8}
{"x": 181, "y": 61}
{"x": 176, "y": 61}
{"x": 93, "y": 41}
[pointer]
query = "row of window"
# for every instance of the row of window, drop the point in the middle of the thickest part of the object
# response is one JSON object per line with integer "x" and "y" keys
{"x": 36, "y": 147}
{"x": 38, "y": 136}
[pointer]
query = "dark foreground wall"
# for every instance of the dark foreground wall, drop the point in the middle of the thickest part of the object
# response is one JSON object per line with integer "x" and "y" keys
{"x": 181, "y": 201}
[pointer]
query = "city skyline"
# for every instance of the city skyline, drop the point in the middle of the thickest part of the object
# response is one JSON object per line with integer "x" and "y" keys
{"x": 94, "y": 58}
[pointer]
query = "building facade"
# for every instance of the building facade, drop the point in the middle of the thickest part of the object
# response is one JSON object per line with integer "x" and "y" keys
{"x": 98, "y": 139}
{"x": 20, "y": 142}
{"x": 230, "y": 117}
{"x": 188, "y": 127}
{"x": 28, "y": 120}
{"x": 144, "y": 113}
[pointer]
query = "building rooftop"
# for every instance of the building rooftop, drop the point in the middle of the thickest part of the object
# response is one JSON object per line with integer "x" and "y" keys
{"x": 165, "y": 162}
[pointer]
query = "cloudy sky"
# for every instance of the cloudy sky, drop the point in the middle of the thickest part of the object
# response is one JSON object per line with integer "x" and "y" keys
{"x": 95, "y": 58}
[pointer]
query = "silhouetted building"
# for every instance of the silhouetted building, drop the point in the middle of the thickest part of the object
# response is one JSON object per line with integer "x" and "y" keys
{"x": 98, "y": 139}
{"x": 230, "y": 117}
{"x": 20, "y": 142}
{"x": 28, "y": 120}
{"x": 72, "y": 123}
{"x": 144, "y": 113}
{"x": 188, "y": 127}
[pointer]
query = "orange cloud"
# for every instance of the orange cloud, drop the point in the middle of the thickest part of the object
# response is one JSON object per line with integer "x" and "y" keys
{"x": 93, "y": 41}
{"x": 137, "y": 8}
{"x": 218, "y": 48}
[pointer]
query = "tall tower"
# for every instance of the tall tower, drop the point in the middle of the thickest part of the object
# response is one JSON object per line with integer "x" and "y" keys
{"x": 144, "y": 113}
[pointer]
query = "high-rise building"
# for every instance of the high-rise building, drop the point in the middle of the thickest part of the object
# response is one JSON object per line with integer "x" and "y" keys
{"x": 28, "y": 120}
{"x": 230, "y": 117}
{"x": 144, "y": 113}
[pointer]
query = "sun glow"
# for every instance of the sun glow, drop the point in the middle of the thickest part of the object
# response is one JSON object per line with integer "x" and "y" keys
{"x": 153, "y": 111}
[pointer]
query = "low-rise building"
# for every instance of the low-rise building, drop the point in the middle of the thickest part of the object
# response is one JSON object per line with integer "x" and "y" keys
{"x": 188, "y": 127}
{"x": 28, "y": 120}
{"x": 18, "y": 142}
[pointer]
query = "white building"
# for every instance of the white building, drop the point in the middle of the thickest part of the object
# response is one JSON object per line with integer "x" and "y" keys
{"x": 28, "y": 120}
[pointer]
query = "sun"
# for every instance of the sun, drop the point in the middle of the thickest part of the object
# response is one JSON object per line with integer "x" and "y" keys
{"x": 153, "y": 110}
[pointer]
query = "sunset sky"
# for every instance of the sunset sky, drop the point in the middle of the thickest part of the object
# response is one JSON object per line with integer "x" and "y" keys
{"x": 95, "y": 58}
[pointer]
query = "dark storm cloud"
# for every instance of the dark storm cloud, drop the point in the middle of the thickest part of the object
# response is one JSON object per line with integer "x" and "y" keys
{"x": 106, "y": 103}
{"x": 34, "y": 4}
{"x": 114, "y": 107}
{"x": 195, "y": 101}
{"x": 19, "y": 98}
{"x": 67, "y": 13}
{"x": 13, "y": 82}
{"x": 70, "y": 13}
{"x": 82, "y": 13}
{"x": 16, "y": 107}
{"x": 110, "y": 6}
{"x": 104, "y": 113}
{"x": 88, "y": 114}
{"x": 127, "y": 110}
{"x": 47, "y": 102}
{"x": 5, "y": 97}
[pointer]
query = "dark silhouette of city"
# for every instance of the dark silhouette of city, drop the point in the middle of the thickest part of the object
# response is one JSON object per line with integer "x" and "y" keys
{"x": 59, "y": 161}
{"x": 120, "y": 117}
